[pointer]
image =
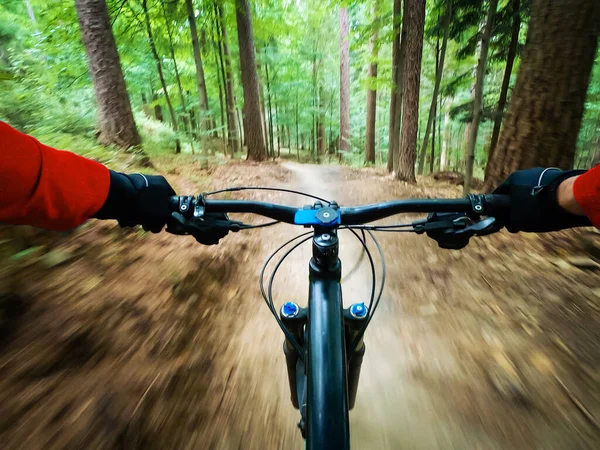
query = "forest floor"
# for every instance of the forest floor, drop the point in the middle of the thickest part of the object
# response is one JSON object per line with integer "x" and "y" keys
{"x": 122, "y": 339}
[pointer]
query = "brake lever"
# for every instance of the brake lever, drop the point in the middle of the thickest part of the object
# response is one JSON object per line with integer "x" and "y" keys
{"x": 453, "y": 230}
{"x": 207, "y": 229}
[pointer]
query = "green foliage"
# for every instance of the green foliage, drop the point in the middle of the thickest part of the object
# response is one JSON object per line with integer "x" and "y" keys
{"x": 45, "y": 88}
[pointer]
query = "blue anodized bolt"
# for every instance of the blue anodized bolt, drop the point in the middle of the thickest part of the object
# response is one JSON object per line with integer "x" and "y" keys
{"x": 289, "y": 310}
{"x": 358, "y": 310}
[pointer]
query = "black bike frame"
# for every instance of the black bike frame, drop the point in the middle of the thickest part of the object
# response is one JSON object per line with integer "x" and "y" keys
{"x": 327, "y": 425}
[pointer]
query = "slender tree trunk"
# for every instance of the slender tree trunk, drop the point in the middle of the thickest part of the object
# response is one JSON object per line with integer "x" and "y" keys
{"x": 253, "y": 128}
{"x": 510, "y": 59}
{"x": 296, "y": 116}
{"x": 279, "y": 128}
{"x": 446, "y": 138}
{"x": 115, "y": 119}
{"x": 414, "y": 22}
{"x": 436, "y": 87}
{"x": 392, "y": 130}
{"x": 546, "y": 107}
{"x": 200, "y": 79}
{"x": 263, "y": 110}
{"x": 432, "y": 156}
{"x": 271, "y": 139}
{"x": 372, "y": 89}
{"x": 158, "y": 65}
{"x": 221, "y": 84}
{"x": 399, "y": 98}
{"x": 175, "y": 67}
{"x": 321, "y": 147}
{"x": 233, "y": 134}
{"x": 158, "y": 114}
{"x": 344, "y": 82}
{"x": 478, "y": 99}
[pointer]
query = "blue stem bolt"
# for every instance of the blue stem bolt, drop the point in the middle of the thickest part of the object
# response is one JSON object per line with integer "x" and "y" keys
{"x": 358, "y": 310}
{"x": 289, "y": 310}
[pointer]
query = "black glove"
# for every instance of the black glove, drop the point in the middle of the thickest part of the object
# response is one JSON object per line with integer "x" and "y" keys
{"x": 534, "y": 204}
{"x": 138, "y": 199}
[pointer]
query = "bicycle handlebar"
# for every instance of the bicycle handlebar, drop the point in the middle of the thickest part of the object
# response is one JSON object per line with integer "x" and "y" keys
{"x": 485, "y": 205}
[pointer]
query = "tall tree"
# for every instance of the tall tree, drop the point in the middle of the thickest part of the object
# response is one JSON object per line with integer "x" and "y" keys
{"x": 233, "y": 135}
{"x": 413, "y": 21}
{"x": 115, "y": 119}
{"x": 344, "y": 82}
{"x": 436, "y": 87}
{"x": 394, "y": 128}
{"x": 253, "y": 128}
{"x": 176, "y": 69}
{"x": 478, "y": 96}
{"x": 510, "y": 59}
{"x": 372, "y": 87}
{"x": 200, "y": 79}
{"x": 544, "y": 115}
{"x": 158, "y": 63}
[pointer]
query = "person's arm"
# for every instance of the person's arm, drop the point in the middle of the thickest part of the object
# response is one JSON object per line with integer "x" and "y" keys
{"x": 566, "y": 197}
{"x": 59, "y": 190}
{"x": 45, "y": 187}
{"x": 585, "y": 192}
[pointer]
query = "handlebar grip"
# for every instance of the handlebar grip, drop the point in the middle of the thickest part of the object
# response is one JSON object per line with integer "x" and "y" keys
{"x": 174, "y": 203}
{"x": 497, "y": 205}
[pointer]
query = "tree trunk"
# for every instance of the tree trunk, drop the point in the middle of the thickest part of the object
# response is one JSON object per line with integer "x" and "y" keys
{"x": 253, "y": 128}
{"x": 270, "y": 124}
{"x": 436, "y": 87}
{"x": 176, "y": 69}
{"x": 158, "y": 114}
{"x": 233, "y": 134}
{"x": 344, "y": 82}
{"x": 432, "y": 156}
{"x": 221, "y": 84}
{"x": 297, "y": 133}
{"x": 445, "y": 139}
{"x": 200, "y": 80}
{"x": 510, "y": 59}
{"x": 414, "y": 22}
{"x": 372, "y": 89}
{"x": 478, "y": 98}
{"x": 392, "y": 138}
{"x": 263, "y": 115}
{"x": 544, "y": 115}
{"x": 115, "y": 119}
{"x": 399, "y": 98}
{"x": 158, "y": 65}
{"x": 321, "y": 144}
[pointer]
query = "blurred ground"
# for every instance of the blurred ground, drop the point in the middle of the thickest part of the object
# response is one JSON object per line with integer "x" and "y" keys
{"x": 121, "y": 339}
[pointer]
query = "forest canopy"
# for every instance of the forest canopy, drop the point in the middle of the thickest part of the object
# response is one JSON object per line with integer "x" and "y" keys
{"x": 322, "y": 76}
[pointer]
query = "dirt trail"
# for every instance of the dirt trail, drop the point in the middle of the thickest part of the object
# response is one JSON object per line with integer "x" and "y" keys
{"x": 129, "y": 340}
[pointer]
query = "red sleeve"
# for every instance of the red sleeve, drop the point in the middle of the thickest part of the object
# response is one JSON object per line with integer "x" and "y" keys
{"x": 586, "y": 191}
{"x": 45, "y": 187}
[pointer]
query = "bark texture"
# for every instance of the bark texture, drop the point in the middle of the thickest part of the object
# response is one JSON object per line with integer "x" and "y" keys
{"x": 414, "y": 22}
{"x": 544, "y": 115}
{"x": 392, "y": 139}
{"x": 115, "y": 119}
{"x": 253, "y": 127}
{"x": 372, "y": 90}
{"x": 478, "y": 95}
{"x": 344, "y": 82}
